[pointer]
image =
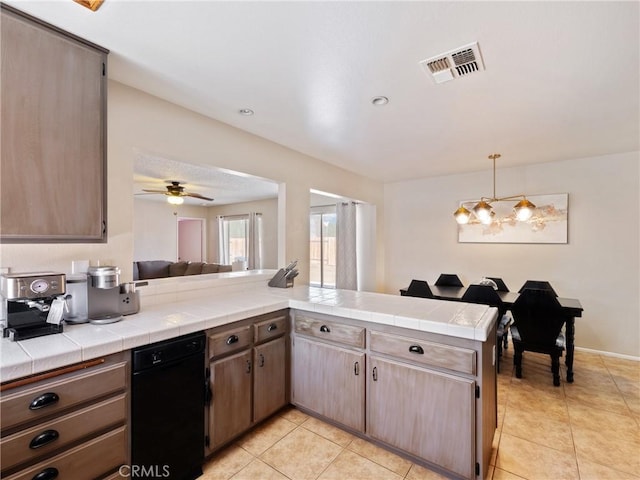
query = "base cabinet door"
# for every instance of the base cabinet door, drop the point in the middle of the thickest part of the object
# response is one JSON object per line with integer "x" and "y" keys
{"x": 230, "y": 412}
{"x": 423, "y": 412}
{"x": 329, "y": 380}
{"x": 269, "y": 378}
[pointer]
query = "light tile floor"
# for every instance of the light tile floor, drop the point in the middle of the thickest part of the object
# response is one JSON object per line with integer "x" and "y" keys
{"x": 588, "y": 430}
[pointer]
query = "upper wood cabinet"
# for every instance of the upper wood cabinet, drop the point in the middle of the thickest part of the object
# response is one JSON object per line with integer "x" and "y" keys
{"x": 53, "y": 127}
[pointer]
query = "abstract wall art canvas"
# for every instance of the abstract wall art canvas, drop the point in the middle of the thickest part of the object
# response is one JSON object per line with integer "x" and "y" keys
{"x": 548, "y": 223}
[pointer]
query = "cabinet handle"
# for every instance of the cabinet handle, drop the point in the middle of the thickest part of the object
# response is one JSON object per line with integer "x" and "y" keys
{"x": 356, "y": 368}
{"x": 325, "y": 329}
{"x": 416, "y": 349}
{"x": 272, "y": 327}
{"x": 375, "y": 374}
{"x": 44, "y": 400}
{"x": 43, "y": 439}
{"x": 248, "y": 366}
{"x": 232, "y": 339}
{"x": 261, "y": 360}
{"x": 46, "y": 474}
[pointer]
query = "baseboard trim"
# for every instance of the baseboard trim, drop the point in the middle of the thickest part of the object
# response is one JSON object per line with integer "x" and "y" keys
{"x": 608, "y": 354}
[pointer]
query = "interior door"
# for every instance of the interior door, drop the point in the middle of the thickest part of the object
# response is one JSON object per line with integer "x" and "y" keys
{"x": 190, "y": 239}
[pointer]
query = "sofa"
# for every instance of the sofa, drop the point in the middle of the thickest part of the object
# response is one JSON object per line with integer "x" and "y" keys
{"x": 148, "y": 269}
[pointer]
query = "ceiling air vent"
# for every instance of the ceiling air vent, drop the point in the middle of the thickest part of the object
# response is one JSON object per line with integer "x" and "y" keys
{"x": 455, "y": 63}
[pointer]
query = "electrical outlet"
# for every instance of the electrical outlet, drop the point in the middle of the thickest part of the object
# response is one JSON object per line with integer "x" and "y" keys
{"x": 4, "y": 270}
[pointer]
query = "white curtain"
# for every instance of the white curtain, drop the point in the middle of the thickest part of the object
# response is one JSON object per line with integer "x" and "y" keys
{"x": 254, "y": 245}
{"x": 223, "y": 241}
{"x": 346, "y": 258}
{"x": 366, "y": 246}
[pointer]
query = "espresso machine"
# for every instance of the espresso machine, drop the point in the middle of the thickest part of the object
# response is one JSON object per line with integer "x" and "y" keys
{"x": 32, "y": 304}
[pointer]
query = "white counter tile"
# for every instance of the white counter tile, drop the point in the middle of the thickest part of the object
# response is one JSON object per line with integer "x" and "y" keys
{"x": 51, "y": 351}
{"x": 167, "y": 313}
{"x": 14, "y": 361}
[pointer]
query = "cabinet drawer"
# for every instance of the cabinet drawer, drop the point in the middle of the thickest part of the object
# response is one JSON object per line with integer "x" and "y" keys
{"x": 270, "y": 328}
{"x": 424, "y": 352}
{"x": 54, "y": 396}
{"x": 335, "y": 332}
{"x": 49, "y": 436}
{"x": 88, "y": 460}
{"x": 229, "y": 341}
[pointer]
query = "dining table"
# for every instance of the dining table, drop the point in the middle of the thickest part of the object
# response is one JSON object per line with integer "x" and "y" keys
{"x": 571, "y": 307}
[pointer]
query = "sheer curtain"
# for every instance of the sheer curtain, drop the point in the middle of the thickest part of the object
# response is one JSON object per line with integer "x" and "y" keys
{"x": 356, "y": 246}
{"x": 223, "y": 241}
{"x": 254, "y": 241}
{"x": 346, "y": 257}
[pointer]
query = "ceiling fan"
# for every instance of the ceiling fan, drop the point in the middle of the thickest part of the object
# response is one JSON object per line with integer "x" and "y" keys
{"x": 175, "y": 193}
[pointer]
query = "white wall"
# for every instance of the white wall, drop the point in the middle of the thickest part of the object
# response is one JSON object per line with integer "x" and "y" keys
{"x": 155, "y": 228}
{"x": 600, "y": 265}
{"x": 140, "y": 122}
{"x": 269, "y": 211}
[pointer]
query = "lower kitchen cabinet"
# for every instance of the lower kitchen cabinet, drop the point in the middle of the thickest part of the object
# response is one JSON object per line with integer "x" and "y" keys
{"x": 230, "y": 412}
{"x": 269, "y": 378}
{"x": 70, "y": 423}
{"x": 248, "y": 375}
{"x": 330, "y": 381}
{"x": 423, "y": 412}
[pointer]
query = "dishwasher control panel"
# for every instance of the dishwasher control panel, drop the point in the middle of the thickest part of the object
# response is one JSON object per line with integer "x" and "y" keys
{"x": 169, "y": 351}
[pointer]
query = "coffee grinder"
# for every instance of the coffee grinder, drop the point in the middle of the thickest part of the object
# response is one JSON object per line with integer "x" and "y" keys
{"x": 32, "y": 304}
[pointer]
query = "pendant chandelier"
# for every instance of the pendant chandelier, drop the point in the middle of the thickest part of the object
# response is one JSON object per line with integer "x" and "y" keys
{"x": 483, "y": 210}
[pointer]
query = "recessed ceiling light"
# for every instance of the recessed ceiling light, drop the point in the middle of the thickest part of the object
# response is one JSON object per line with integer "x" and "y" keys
{"x": 378, "y": 101}
{"x": 246, "y": 112}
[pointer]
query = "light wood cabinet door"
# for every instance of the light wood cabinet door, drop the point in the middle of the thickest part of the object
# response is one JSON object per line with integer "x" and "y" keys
{"x": 269, "y": 378}
{"x": 423, "y": 412}
{"x": 330, "y": 381}
{"x": 53, "y": 153}
{"x": 230, "y": 412}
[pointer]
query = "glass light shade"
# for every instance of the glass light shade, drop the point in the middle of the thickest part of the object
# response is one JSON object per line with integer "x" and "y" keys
{"x": 489, "y": 219}
{"x": 174, "y": 200}
{"x": 483, "y": 211}
{"x": 524, "y": 210}
{"x": 462, "y": 215}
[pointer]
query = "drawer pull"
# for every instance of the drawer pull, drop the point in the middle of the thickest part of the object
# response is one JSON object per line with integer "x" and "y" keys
{"x": 325, "y": 329}
{"x": 43, "y": 439}
{"x": 44, "y": 400}
{"x": 416, "y": 349}
{"x": 248, "y": 367}
{"x": 46, "y": 474}
{"x": 375, "y": 374}
{"x": 261, "y": 360}
{"x": 232, "y": 339}
{"x": 271, "y": 328}
{"x": 356, "y": 368}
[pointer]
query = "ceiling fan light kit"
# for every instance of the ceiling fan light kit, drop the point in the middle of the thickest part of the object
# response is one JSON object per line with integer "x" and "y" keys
{"x": 483, "y": 210}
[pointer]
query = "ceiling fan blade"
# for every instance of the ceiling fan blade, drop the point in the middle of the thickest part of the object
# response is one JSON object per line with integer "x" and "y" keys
{"x": 197, "y": 195}
{"x": 154, "y": 191}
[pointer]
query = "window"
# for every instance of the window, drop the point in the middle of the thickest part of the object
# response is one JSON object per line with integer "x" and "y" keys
{"x": 322, "y": 246}
{"x": 240, "y": 239}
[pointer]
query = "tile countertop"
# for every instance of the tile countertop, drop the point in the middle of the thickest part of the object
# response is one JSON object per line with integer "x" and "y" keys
{"x": 163, "y": 316}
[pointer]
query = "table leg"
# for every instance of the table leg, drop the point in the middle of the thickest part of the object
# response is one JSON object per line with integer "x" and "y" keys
{"x": 570, "y": 331}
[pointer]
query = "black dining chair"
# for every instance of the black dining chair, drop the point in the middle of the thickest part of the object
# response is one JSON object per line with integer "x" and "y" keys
{"x": 502, "y": 287}
{"x": 538, "y": 319}
{"x": 486, "y": 295}
{"x": 448, "y": 280}
{"x": 418, "y": 288}
{"x": 539, "y": 285}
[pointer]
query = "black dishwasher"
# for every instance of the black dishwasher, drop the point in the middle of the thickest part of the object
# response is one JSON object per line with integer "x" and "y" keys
{"x": 167, "y": 409}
